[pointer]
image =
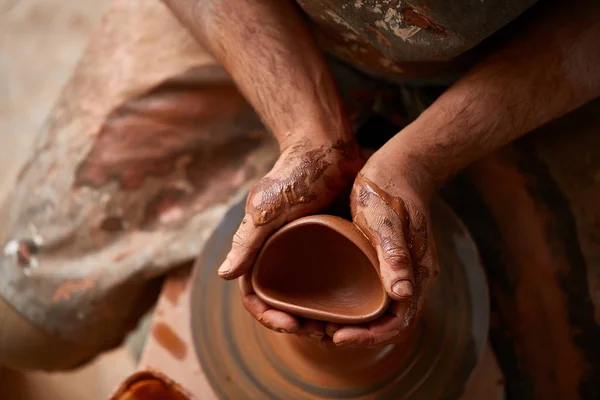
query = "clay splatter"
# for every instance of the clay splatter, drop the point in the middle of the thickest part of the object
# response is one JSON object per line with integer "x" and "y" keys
{"x": 168, "y": 339}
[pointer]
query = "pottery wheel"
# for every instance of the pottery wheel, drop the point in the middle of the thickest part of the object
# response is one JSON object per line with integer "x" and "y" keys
{"x": 243, "y": 360}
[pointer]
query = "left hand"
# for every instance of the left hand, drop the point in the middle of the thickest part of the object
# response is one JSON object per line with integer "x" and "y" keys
{"x": 306, "y": 177}
{"x": 393, "y": 212}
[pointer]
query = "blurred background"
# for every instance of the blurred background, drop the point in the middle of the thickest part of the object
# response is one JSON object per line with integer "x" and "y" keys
{"x": 40, "y": 43}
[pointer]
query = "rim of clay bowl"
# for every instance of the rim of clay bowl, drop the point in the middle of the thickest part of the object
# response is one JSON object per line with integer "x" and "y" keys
{"x": 336, "y": 224}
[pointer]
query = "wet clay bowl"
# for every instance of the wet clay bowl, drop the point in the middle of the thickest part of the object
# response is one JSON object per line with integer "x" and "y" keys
{"x": 321, "y": 267}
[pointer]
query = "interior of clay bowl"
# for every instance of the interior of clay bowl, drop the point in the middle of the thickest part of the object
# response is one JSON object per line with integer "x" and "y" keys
{"x": 320, "y": 268}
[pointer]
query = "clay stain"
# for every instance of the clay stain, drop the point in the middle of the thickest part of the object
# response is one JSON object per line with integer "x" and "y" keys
{"x": 414, "y": 18}
{"x": 70, "y": 288}
{"x": 169, "y": 340}
{"x": 174, "y": 289}
{"x": 147, "y": 136}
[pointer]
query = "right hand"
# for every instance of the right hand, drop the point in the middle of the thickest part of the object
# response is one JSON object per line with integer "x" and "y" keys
{"x": 305, "y": 179}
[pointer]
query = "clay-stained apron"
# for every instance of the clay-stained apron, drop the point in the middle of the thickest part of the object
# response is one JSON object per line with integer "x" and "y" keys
{"x": 146, "y": 149}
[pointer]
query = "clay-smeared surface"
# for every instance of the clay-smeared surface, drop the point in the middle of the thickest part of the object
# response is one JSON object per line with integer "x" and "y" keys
{"x": 316, "y": 267}
{"x": 304, "y": 166}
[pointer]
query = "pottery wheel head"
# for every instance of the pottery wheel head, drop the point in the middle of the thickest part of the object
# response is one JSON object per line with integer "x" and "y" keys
{"x": 243, "y": 360}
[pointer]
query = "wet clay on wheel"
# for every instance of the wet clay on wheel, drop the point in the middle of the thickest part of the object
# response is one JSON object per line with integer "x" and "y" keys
{"x": 321, "y": 267}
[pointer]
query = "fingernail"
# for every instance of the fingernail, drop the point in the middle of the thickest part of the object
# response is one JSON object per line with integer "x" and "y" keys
{"x": 281, "y": 330}
{"x": 341, "y": 344}
{"x": 225, "y": 268}
{"x": 403, "y": 288}
{"x": 316, "y": 335}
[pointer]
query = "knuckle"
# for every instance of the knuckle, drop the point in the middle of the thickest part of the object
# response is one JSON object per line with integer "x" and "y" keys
{"x": 396, "y": 257}
{"x": 246, "y": 241}
{"x": 240, "y": 240}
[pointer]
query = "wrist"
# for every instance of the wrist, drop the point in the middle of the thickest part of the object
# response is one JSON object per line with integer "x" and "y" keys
{"x": 433, "y": 148}
{"x": 399, "y": 169}
{"x": 315, "y": 136}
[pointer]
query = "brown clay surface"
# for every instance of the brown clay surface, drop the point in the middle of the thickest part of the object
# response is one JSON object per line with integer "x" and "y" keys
{"x": 321, "y": 267}
{"x": 242, "y": 359}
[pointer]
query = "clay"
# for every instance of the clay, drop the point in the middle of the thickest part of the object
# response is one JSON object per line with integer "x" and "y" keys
{"x": 243, "y": 360}
{"x": 321, "y": 267}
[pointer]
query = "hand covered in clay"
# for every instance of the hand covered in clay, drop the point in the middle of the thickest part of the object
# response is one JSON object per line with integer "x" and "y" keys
{"x": 305, "y": 178}
{"x": 394, "y": 215}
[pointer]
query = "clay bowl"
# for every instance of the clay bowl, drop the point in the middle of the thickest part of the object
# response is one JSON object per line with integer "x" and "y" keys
{"x": 321, "y": 267}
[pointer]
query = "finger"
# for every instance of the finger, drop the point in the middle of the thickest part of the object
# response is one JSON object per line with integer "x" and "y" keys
{"x": 271, "y": 318}
{"x": 392, "y": 327}
{"x": 311, "y": 328}
{"x": 371, "y": 335}
{"x": 246, "y": 243}
{"x": 395, "y": 265}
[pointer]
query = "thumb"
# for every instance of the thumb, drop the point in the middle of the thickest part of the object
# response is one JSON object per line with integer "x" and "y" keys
{"x": 384, "y": 220}
{"x": 395, "y": 267}
{"x": 246, "y": 243}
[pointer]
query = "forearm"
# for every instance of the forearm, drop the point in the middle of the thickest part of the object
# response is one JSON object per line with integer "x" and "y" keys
{"x": 270, "y": 53}
{"x": 549, "y": 70}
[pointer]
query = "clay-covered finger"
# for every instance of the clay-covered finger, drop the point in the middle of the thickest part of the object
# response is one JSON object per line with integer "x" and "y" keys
{"x": 331, "y": 328}
{"x": 384, "y": 220}
{"x": 269, "y": 317}
{"x": 311, "y": 328}
{"x": 244, "y": 248}
{"x": 390, "y": 328}
{"x": 395, "y": 266}
{"x": 386, "y": 328}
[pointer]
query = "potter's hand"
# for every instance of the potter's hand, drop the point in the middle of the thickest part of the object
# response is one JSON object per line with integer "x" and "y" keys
{"x": 393, "y": 214}
{"x": 306, "y": 178}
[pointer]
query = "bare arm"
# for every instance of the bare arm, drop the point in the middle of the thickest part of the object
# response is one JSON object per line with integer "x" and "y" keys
{"x": 546, "y": 71}
{"x": 269, "y": 51}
